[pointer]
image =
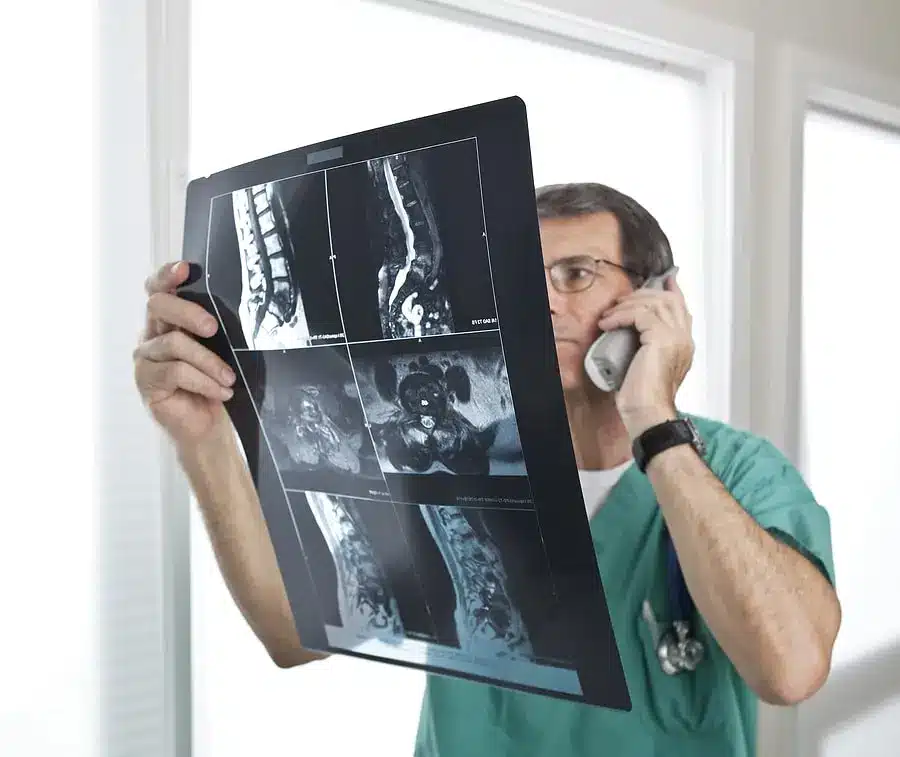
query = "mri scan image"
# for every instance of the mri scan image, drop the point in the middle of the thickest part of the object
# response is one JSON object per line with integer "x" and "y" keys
{"x": 487, "y": 622}
{"x": 314, "y": 422}
{"x": 366, "y": 602}
{"x": 410, "y": 245}
{"x": 445, "y": 411}
{"x": 368, "y": 564}
{"x": 271, "y": 308}
{"x": 269, "y": 265}
{"x": 412, "y": 296}
{"x": 314, "y": 428}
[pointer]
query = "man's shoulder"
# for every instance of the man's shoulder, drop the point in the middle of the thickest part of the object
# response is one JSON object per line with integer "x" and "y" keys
{"x": 733, "y": 452}
{"x": 770, "y": 487}
{"x": 717, "y": 434}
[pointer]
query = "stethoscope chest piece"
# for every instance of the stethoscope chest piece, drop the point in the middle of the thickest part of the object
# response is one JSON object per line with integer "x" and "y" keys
{"x": 678, "y": 651}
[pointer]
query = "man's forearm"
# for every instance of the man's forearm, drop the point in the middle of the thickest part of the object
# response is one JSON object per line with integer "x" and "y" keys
{"x": 237, "y": 530}
{"x": 770, "y": 609}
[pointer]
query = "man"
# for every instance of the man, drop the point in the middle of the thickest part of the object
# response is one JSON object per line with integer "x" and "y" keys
{"x": 752, "y": 543}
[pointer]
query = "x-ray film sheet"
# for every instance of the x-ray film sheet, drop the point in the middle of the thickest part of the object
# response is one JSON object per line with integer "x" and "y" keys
{"x": 399, "y": 403}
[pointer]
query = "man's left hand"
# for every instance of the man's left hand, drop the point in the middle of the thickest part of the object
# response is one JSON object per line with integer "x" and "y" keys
{"x": 647, "y": 395}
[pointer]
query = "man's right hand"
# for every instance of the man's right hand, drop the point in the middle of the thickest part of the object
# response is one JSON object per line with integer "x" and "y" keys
{"x": 181, "y": 382}
{"x": 184, "y": 385}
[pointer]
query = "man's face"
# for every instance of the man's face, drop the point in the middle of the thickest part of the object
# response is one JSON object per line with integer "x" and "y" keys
{"x": 575, "y": 314}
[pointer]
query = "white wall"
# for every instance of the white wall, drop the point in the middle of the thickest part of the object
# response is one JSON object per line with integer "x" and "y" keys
{"x": 858, "y": 709}
{"x": 48, "y": 680}
{"x": 863, "y": 31}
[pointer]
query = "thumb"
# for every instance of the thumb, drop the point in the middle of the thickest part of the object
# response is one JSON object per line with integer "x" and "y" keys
{"x": 186, "y": 273}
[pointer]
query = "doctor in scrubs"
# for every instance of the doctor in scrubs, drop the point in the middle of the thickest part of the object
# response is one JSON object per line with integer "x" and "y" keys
{"x": 714, "y": 554}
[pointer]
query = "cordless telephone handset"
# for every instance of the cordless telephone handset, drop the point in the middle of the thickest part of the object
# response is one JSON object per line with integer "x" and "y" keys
{"x": 608, "y": 359}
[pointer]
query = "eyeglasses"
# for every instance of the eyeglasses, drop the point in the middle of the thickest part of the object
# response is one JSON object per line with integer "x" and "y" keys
{"x": 578, "y": 273}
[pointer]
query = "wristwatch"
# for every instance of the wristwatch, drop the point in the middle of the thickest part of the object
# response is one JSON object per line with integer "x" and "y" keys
{"x": 663, "y": 436}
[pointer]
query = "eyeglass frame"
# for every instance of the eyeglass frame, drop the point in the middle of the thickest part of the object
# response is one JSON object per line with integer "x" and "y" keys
{"x": 633, "y": 275}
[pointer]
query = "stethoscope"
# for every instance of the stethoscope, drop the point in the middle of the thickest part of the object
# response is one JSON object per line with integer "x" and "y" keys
{"x": 677, "y": 649}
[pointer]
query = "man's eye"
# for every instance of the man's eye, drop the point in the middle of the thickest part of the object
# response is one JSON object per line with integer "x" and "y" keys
{"x": 574, "y": 274}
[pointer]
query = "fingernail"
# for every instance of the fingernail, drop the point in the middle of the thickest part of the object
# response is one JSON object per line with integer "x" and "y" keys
{"x": 227, "y": 393}
{"x": 228, "y": 376}
{"x": 209, "y": 326}
{"x": 174, "y": 268}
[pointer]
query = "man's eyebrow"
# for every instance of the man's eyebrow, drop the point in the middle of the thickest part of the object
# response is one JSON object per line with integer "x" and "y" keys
{"x": 590, "y": 251}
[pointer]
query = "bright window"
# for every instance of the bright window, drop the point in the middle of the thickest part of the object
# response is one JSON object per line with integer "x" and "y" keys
{"x": 50, "y": 402}
{"x": 851, "y": 190}
{"x": 279, "y": 75}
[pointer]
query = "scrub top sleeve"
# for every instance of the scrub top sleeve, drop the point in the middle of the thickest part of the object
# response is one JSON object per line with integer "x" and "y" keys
{"x": 774, "y": 493}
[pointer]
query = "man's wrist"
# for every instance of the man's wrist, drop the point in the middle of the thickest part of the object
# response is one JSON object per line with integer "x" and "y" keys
{"x": 210, "y": 450}
{"x": 640, "y": 420}
{"x": 676, "y": 459}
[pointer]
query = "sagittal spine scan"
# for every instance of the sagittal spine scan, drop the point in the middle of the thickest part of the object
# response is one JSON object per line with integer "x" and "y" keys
{"x": 271, "y": 312}
{"x": 487, "y": 622}
{"x": 412, "y": 298}
{"x": 365, "y": 601}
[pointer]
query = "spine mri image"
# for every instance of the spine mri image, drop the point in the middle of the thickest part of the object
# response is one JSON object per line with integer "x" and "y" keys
{"x": 271, "y": 308}
{"x": 410, "y": 247}
{"x": 366, "y": 603}
{"x": 412, "y": 296}
{"x": 487, "y": 622}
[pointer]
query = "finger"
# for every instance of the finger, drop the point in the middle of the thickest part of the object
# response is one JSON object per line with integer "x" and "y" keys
{"x": 641, "y": 315}
{"x": 624, "y": 317}
{"x": 177, "y": 346}
{"x": 670, "y": 305}
{"x": 651, "y": 295}
{"x": 153, "y": 328}
{"x": 175, "y": 311}
{"x": 160, "y": 380}
{"x": 167, "y": 277}
{"x": 651, "y": 335}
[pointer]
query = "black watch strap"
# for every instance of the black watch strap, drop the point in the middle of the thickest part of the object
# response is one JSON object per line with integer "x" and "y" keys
{"x": 663, "y": 436}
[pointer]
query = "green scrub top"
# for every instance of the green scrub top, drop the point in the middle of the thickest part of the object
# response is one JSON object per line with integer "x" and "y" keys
{"x": 710, "y": 712}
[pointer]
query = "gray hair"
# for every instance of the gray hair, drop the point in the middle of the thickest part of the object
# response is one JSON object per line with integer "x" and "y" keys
{"x": 645, "y": 247}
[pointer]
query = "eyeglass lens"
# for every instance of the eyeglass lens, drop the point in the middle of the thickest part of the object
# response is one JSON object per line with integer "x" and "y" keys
{"x": 578, "y": 273}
